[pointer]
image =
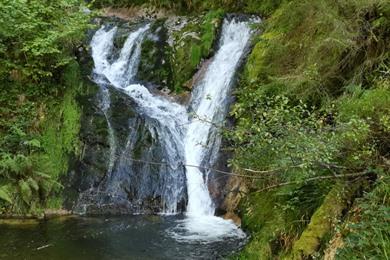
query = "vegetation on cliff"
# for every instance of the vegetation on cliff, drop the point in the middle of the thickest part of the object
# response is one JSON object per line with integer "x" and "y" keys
{"x": 39, "y": 80}
{"x": 174, "y": 64}
{"x": 313, "y": 107}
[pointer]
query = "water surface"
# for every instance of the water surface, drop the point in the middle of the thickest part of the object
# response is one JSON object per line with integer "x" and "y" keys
{"x": 130, "y": 237}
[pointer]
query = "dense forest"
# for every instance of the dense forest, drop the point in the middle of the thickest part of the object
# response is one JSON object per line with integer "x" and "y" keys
{"x": 311, "y": 131}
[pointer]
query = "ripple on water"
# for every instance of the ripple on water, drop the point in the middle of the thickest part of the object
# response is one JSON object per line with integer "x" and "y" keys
{"x": 130, "y": 237}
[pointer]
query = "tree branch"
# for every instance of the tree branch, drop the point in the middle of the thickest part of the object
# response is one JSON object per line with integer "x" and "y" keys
{"x": 313, "y": 179}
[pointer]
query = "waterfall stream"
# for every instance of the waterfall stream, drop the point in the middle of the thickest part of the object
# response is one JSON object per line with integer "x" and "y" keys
{"x": 209, "y": 104}
{"x": 185, "y": 133}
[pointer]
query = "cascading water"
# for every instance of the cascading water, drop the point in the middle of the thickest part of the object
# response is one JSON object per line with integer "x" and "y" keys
{"x": 121, "y": 71}
{"x": 185, "y": 134}
{"x": 209, "y": 105}
{"x": 161, "y": 118}
{"x": 167, "y": 118}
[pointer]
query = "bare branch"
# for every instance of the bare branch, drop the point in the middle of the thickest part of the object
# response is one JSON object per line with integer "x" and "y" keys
{"x": 312, "y": 179}
{"x": 273, "y": 170}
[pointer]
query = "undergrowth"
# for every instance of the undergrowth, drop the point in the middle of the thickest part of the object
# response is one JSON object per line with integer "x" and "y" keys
{"x": 313, "y": 102}
{"x": 38, "y": 135}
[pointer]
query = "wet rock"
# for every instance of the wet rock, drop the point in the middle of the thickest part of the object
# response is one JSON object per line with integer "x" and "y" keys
{"x": 155, "y": 66}
{"x": 136, "y": 13}
{"x": 232, "y": 216}
{"x": 134, "y": 185}
{"x": 54, "y": 213}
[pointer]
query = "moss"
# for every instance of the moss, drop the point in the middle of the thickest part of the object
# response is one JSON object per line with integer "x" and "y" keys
{"x": 324, "y": 219}
{"x": 263, "y": 219}
{"x": 276, "y": 218}
{"x": 372, "y": 103}
{"x": 155, "y": 63}
{"x": 196, "y": 54}
{"x": 174, "y": 66}
{"x": 192, "y": 44}
{"x": 59, "y": 137}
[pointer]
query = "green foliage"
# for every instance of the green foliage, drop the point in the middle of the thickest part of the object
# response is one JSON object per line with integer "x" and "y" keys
{"x": 329, "y": 45}
{"x": 313, "y": 101}
{"x": 367, "y": 234}
{"x": 5, "y": 194}
{"x": 24, "y": 183}
{"x": 36, "y": 37}
{"x": 39, "y": 114}
{"x": 39, "y": 132}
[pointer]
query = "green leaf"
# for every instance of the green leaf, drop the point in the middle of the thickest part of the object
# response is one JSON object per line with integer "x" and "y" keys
{"x": 33, "y": 184}
{"x": 25, "y": 191}
{"x": 5, "y": 195}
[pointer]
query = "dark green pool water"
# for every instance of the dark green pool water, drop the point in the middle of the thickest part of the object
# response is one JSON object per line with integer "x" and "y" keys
{"x": 134, "y": 237}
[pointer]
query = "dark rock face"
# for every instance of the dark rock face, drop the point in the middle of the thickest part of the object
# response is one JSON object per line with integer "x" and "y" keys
{"x": 134, "y": 185}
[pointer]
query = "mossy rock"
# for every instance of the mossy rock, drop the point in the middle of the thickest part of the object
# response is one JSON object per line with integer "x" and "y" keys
{"x": 276, "y": 218}
{"x": 193, "y": 43}
{"x": 324, "y": 219}
{"x": 155, "y": 65}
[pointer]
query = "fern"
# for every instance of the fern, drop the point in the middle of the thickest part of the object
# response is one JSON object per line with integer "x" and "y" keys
{"x": 25, "y": 191}
{"x": 5, "y": 194}
{"x": 33, "y": 184}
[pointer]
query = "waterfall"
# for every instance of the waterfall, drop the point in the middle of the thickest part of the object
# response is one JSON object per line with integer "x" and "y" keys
{"x": 168, "y": 119}
{"x": 185, "y": 133}
{"x": 121, "y": 71}
{"x": 103, "y": 45}
{"x": 209, "y": 104}
{"x": 117, "y": 69}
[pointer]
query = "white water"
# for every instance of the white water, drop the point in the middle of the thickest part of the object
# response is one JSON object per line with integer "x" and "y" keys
{"x": 166, "y": 118}
{"x": 121, "y": 71}
{"x": 186, "y": 137}
{"x": 118, "y": 73}
{"x": 103, "y": 45}
{"x": 209, "y": 104}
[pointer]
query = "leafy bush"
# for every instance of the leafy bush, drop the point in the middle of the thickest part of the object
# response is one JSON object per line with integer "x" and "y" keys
{"x": 36, "y": 37}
